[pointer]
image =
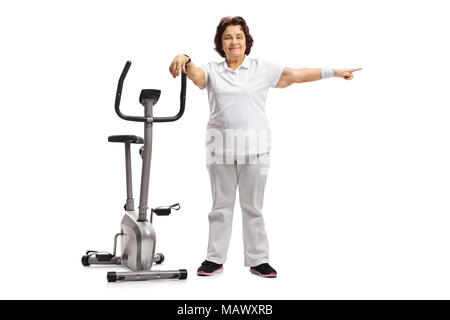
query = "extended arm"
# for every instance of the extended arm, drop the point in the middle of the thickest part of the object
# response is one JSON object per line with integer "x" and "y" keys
{"x": 291, "y": 76}
{"x": 194, "y": 73}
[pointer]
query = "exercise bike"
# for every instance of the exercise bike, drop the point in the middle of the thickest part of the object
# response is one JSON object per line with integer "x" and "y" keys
{"x": 138, "y": 238}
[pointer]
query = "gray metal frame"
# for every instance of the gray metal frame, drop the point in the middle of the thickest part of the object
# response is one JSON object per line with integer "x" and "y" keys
{"x": 129, "y": 205}
{"x": 138, "y": 238}
{"x": 146, "y": 160}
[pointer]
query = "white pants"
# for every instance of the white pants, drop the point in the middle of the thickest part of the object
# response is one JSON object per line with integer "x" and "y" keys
{"x": 251, "y": 181}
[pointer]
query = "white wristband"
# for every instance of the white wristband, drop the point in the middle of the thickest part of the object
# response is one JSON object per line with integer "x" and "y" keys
{"x": 327, "y": 73}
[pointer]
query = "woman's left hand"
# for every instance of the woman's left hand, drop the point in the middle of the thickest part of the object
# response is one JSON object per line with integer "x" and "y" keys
{"x": 347, "y": 74}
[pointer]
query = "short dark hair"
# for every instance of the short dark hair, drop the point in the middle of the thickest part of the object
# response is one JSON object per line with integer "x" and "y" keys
{"x": 235, "y": 21}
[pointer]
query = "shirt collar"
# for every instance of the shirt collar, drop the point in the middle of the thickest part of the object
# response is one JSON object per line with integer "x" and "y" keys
{"x": 245, "y": 64}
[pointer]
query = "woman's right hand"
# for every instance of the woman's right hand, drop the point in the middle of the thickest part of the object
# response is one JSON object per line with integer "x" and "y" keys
{"x": 178, "y": 63}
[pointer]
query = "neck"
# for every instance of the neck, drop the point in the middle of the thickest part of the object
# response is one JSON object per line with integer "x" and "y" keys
{"x": 234, "y": 63}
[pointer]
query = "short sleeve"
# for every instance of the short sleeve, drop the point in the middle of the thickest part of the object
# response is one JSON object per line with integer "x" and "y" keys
{"x": 272, "y": 71}
{"x": 207, "y": 69}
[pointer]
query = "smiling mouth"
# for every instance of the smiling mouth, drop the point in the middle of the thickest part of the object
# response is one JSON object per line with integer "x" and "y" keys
{"x": 234, "y": 48}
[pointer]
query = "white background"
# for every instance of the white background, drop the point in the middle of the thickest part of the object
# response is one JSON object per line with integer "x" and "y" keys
{"x": 357, "y": 200}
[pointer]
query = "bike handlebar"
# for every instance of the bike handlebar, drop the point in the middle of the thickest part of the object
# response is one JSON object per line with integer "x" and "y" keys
{"x": 145, "y": 119}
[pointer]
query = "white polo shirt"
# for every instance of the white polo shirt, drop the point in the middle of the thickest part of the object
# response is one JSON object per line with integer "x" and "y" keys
{"x": 237, "y": 101}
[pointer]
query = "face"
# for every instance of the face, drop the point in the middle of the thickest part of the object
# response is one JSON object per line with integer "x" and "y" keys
{"x": 233, "y": 42}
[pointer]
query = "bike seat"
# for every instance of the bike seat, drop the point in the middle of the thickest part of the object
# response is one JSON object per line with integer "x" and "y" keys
{"x": 126, "y": 139}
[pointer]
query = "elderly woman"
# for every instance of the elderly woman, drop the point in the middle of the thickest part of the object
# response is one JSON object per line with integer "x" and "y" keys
{"x": 238, "y": 138}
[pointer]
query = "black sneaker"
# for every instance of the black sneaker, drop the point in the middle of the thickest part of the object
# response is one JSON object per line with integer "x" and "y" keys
{"x": 209, "y": 268}
{"x": 264, "y": 270}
